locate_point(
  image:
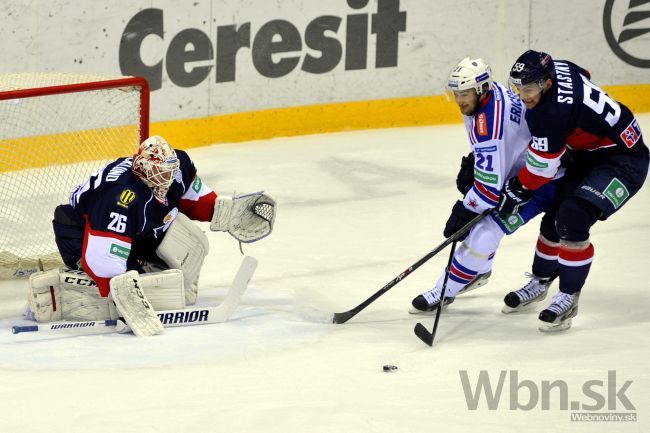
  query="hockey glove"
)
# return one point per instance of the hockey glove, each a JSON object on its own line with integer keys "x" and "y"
{"x": 459, "y": 217}
{"x": 465, "y": 176}
{"x": 513, "y": 197}
{"x": 248, "y": 218}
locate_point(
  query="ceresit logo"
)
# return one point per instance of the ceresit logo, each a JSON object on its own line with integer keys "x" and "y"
{"x": 276, "y": 48}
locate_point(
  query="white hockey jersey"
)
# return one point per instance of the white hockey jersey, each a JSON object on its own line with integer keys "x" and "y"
{"x": 499, "y": 136}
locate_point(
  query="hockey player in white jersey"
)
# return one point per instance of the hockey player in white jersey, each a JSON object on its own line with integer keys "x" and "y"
{"x": 498, "y": 137}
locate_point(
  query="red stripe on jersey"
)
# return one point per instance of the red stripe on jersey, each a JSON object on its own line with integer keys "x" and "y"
{"x": 104, "y": 234}
{"x": 472, "y": 137}
{"x": 489, "y": 194}
{"x": 201, "y": 209}
{"x": 573, "y": 255}
{"x": 497, "y": 120}
{"x": 530, "y": 180}
{"x": 583, "y": 140}
{"x": 548, "y": 250}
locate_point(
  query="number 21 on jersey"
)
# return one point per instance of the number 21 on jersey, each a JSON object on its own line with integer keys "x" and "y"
{"x": 484, "y": 162}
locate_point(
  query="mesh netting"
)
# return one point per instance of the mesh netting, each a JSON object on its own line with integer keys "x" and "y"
{"x": 48, "y": 145}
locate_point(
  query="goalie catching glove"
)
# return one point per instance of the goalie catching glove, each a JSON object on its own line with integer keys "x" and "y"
{"x": 248, "y": 218}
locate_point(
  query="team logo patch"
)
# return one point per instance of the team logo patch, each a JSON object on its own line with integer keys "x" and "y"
{"x": 631, "y": 134}
{"x": 167, "y": 220}
{"x": 196, "y": 185}
{"x": 486, "y": 177}
{"x": 126, "y": 198}
{"x": 481, "y": 125}
{"x": 530, "y": 160}
{"x": 512, "y": 222}
{"x": 120, "y": 251}
{"x": 616, "y": 192}
{"x": 170, "y": 216}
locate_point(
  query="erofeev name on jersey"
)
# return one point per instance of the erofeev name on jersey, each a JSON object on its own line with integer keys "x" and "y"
{"x": 275, "y": 47}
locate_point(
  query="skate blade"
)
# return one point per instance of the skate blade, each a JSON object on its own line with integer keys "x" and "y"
{"x": 523, "y": 309}
{"x": 471, "y": 287}
{"x": 474, "y": 285}
{"x": 417, "y": 312}
{"x": 555, "y": 327}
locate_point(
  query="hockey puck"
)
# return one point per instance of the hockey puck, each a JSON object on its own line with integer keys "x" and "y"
{"x": 389, "y": 368}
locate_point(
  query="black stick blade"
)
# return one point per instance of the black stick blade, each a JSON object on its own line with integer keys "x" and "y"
{"x": 344, "y": 316}
{"x": 423, "y": 334}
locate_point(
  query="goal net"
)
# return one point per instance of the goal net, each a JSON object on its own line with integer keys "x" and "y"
{"x": 55, "y": 131}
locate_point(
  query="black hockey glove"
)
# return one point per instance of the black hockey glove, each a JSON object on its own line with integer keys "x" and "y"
{"x": 457, "y": 220}
{"x": 513, "y": 197}
{"x": 465, "y": 176}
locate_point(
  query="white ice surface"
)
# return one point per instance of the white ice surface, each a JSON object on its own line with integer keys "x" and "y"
{"x": 355, "y": 209}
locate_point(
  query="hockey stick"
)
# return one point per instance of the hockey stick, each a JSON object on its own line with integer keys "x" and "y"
{"x": 171, "y": 318}
{"x": 420, "y": 330}
{"x": 347, "y": 315}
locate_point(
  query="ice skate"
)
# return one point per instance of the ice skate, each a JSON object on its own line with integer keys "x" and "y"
{"x": 428, "y": 302}
{"x": 558, "y": 315}
{"x": 526, "y": 297}
{"x": 478, "y": 281}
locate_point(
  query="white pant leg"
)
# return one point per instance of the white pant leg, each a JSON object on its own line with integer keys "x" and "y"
{"x": 474, "y": 256}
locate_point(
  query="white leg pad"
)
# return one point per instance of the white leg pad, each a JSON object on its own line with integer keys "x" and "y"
{"x": 44, "y": 296}
{"x": 73, "y": 297}
{"x": 185, "y": 247}
{"x": 62, "y": 294}
{"x": 165, "y": 290}
{"x": 133, "y": 305}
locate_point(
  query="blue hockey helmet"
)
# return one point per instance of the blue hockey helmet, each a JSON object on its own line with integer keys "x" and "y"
{"x": 531, "y": 67}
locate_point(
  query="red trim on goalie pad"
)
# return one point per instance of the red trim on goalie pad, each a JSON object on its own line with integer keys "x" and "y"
{"x": 547, "y": 249}
{"x": 200, "y": 210}
{"x": 53, "y": 298}
{"x": 572, "y": 255}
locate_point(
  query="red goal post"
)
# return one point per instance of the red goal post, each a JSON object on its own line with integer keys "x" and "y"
{"x": 55, "y": 131}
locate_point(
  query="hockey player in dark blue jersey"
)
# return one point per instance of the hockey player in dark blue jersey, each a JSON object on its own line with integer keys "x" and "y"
{"x": 131, "y": 218}
{"x": 573, "y": 123}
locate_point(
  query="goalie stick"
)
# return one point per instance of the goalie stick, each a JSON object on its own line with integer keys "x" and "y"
{"x": 347, "y": 315}
{"x": 171, "y": 318}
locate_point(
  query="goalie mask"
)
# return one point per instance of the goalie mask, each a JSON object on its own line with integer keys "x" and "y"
{"x": 157, "y": 165}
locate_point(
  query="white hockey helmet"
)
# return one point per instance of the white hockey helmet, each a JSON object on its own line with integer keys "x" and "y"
{"x": 470, "y": 74}
{"x": 157, "y": 165}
